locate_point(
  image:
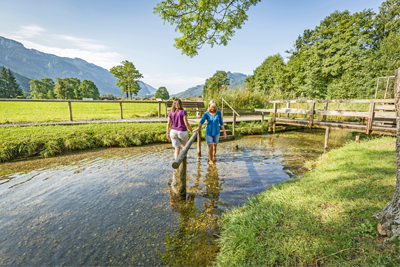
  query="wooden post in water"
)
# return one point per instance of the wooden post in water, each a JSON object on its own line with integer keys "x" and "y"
{"x": 325, "y": 109}
{"x": 233, "y": 123}
{"x": 166, "y": 109}
{"x": 120, "y": 110}
{"x": 274, "y": 118}
{"x": 70, "y": 110}
{"x": 311, "y": 115}
{"x": 326, "y": 137}
{"x": 182, "y": 177}
{"x": 198, "y": 143}
{"x": 287, "y": 106}
{"x": 159, "y": 109}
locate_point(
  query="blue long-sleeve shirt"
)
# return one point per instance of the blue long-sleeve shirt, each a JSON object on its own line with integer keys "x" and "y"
{"x": 213, "y": 122}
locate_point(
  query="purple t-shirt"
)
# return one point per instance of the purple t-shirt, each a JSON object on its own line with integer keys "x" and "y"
{"x": 177, "y": 120}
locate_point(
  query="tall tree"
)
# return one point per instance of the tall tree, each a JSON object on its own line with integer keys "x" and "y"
{"x": 215, "y": 84}
{"x": 9, "y": 88}
{"x": 89, "y": 90}
{"x": 43, "y": 89}
{"x": 200, "y": 22}
{"x": 162, "y": 93}
{"x": 388, "y": 19}
{"x": 127, "y": 77}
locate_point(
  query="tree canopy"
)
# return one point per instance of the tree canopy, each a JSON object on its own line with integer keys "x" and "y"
{"x": 162, "y": 93}
{"x": 9, "y": 88}
{"x": 200, "y": 22}
{"x": 127, "y": 78}
{"x": 215, "y": 84}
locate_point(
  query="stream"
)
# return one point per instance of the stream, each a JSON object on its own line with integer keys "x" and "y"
{"x": 118, "y": 206}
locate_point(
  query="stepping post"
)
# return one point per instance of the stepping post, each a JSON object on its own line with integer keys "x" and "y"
{"x": 182, "y": 177}
{"x": 233, "y": 123}
{"x": 274, "y": 117}
{"x": 159, "y": 109}
{"x": 326, "y": 137}
{"x": 198, "y": 143}
{"x": 70, "y": 110}
{"x": 120, "y": 110}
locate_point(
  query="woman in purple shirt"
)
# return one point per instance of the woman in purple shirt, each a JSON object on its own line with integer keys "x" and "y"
{"x": 179, "y": 134}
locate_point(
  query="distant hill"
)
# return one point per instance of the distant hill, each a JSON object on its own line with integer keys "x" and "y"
{"x": 235, "y": 79}
{"x": 33, "y": 64}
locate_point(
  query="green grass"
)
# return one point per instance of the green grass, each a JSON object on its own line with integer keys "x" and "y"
{"x": 51, "y": 111}
{"x": 325, "y": 215}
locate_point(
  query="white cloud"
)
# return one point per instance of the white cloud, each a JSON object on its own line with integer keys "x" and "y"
{"x": 35, "y": 37}
{"x": 29, "y": 31}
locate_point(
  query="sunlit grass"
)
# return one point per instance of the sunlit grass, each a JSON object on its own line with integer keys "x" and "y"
{"x": 51, "y": 111}
{"x": 325, "y": 215}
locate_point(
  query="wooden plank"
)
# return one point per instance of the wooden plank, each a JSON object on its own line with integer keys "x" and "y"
{"x": 335, "y": 101}
{"x": 264, "y": 110}
{"x": 295, "y": 110}
{"x": 385, "y": 107}
{"x": 386, "y": 115}
{"x": 346, "y": 113}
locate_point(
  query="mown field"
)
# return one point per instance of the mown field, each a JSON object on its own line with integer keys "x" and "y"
{"x": 51, "y": 111}
{"x": 324, "y": 218}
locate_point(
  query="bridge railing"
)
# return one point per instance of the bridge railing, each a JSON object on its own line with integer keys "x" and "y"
{"x": 385, "y": 111}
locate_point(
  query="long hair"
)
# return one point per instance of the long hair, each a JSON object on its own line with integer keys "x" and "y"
{"x": 211, "y": 103}
{"x": 177, "y": 105}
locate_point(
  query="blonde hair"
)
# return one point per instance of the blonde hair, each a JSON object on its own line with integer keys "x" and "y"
{"x": 212, "y": 102}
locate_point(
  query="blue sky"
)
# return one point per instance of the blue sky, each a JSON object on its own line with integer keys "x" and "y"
{"x": 107, "y": 32}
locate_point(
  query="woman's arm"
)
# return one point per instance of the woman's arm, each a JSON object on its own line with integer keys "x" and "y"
{"x": 221, "y": 123}
{"x": 203, "y": 119}
{"x": 187, "y": 123}
{"x": 168, "y": 124}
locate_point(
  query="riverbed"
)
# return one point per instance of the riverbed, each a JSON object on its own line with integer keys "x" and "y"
{"x": 118, "y": 206}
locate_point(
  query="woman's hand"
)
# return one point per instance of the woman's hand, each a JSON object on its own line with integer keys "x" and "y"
{"x": 224, "y": 134}
{"x": 168, "y": 136}
{"x": 195, "y": 130}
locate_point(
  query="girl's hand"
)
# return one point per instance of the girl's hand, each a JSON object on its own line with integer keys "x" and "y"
{"x": 195, "y": 130}
{"x": 168, "y": 136}
{"x": 224, "y": 134}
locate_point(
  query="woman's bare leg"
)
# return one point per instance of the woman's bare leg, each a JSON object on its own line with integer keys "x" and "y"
{"x": 214, "y": 151}
{"x": 210, "y": 152}
{"x": 177, "y": 150}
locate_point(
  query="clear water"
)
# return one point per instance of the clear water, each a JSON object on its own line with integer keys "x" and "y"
{"x": 118, "y": 206}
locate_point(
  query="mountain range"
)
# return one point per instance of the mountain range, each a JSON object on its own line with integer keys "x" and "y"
{"x": 235, "y": 80}
{"x": 29, "y": 64}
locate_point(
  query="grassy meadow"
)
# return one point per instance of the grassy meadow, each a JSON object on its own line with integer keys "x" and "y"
{"x": 324, "y": 218}
{"x": 52, "y": 111}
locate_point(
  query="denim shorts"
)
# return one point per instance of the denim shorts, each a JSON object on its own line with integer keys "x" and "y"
{"x": 212, "y": 139}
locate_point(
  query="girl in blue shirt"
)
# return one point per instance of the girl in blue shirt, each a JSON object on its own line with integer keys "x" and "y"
{"x": 214, "y": 120}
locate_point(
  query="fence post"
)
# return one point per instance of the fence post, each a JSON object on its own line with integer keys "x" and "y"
{"x": 222, "y": 108}
{"x": 274, "y": 118}
{"x": 233, "y": 123}
{"x": 287, "y": 106}
{"x": 325, "y": 109}
{"x": 166, "y": 110}
{"x": 370, "y": 117}
{"x": 199, "y": 143}
{"x": 182, "y": 177}
{"x": 70, "y": 110}
{"x": 262, "y": 116}
{"x": 120, "y": 109}
{"x": 312, "y": 115}
{"x": 159, "y": 109}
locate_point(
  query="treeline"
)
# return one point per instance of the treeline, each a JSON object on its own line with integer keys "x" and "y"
{"x": 9, "y": 88}
{"x": 65, "y": 88}
{"x": 341, "y": 58}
